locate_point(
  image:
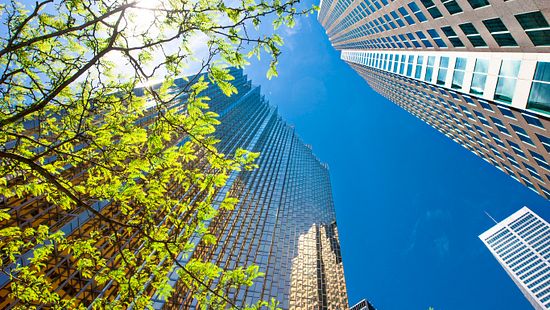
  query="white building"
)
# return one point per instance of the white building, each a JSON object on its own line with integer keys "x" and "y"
{"x": 521, "y": 244}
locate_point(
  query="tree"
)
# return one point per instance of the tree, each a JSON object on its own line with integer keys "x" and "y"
{"x": 83, "y": 131}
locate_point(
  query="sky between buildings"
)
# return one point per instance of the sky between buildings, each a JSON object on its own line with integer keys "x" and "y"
{"x": 410, "y": 202}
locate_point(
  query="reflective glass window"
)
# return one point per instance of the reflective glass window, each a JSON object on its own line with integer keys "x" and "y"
{"x": 478, "y": 3}
{"x": 458, "y": 75}
{"x": 473, "y": 35}
{"x": 536, "y": 27}
{"x": 432, "y": 9}
{"x": 452, "y": 6}
{"x": 429, "y": 69}
{"x": 539, "y": 96}
{"x": 442, "y": 73}
{"x": 499, "y": 32}
{"x": 480, "y": 77}
{"x": 507, "y": 77}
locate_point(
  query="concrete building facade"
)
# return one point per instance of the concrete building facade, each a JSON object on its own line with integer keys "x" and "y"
{"x": 476, "y": 70}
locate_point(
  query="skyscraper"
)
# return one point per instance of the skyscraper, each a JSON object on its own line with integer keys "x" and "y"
{"x": 521, "y": 245}
{"x": 284, "y": 223}
{"x": 476, "y": 70}
{"x": 363, "y": 305}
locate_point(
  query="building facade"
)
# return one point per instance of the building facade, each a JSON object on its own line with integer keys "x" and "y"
{"x": 363, "y": 305}
{"x": 476, "y": 70}
{"x": 521, "y": 245}
{"x": 284, "y": 223}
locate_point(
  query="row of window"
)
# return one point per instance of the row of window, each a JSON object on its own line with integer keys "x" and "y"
{"x": 534, "y": 23}
{"x": 539, "y": 96}
{"x": 434, "y": 113}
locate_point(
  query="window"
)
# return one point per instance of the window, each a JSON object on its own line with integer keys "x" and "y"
{"x": 406, "y": 16}
{"x": 390, "y": 22}
{"x": 419, "y": 62}
{"x": 442, "y": 74}
{"x": 397, "y": 19}
{"x": 539, "y": 96}
{"x": 458, "y": 75}
{"x": 480, "y": 77}
{"x": 413, "y": 40}
{"x": 437, "y": 39}
{"x": 429, "y": 69}
{"x": 417, "y": 12}
{"x": 507, "y": 78}
{"x": 410, "y": 65}
{"x": 478, "y": 3}
{"x": 424, "y": 39}
{"x": 452, "y": 6}
{"x": 536, "y": 27}
{"x": 471, "y": 33}
{"x": 432, "y": 9}
{"x": 402, "y": 65}
{"x": 452, "y": 36}
{"x": 499, "y": 32}
{"x": 404, "y": 40}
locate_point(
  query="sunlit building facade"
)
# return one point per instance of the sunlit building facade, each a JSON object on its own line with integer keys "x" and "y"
{"x": 284, "y": 223}
{"x": 476, "y": 70}
{"x": 521, "y": 245}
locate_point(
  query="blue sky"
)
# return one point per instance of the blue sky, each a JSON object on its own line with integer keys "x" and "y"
{"x": 410, "y": 202}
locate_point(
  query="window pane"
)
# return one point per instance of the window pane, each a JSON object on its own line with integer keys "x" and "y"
{"x": 441, "y": 76}
{"x": 482, "y": 66}
{"x": 505, "y": 89}
{"x": 539, "y": 37}
{"x": 444, "y": 62}
{"x": 494, "y": 25}
{"x": 478, "y": 3}
{"x": 458, "y": 78}
{"x": 543, "y": 72}
{"x": 539, "y": 97}
{"x": 460, "y": 63}
{"x": 478, "y": 84}
{"x": 477, "y": 41}
{"x": 505, "y": 39}
{"x": 510, "y": 68}
{"x": 452, "y": 7}
{"x": 468, "y": 29}
{"x": 429, "y": 73}
{"x": 434, "y": 12}
{"x": 456, "y": 42}
{"x": 532, "y": 20}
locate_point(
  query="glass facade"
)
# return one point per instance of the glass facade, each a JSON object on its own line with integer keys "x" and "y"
{"x": 284, "y": 223}
{"x": 539, "y": 96}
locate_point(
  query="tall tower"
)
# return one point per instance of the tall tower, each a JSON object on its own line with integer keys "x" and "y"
{"x": 476, "y": 70}
{"x": 363, "y": 305}
{"x": 521, "y": 245}
{"x": 284, "y": 223}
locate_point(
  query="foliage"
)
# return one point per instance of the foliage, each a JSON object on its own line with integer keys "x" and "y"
{"x": 76, "y": 138}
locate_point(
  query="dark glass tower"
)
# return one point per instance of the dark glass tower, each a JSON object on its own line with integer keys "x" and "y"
{"x": 285, "y": 221}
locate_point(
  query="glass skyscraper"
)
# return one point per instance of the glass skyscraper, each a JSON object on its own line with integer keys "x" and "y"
{"x": 521, "y": 245}
{"x": 285, "y": 221}
{"x": 477, "y": 70}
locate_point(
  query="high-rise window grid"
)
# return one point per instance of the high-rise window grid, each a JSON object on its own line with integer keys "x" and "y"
{"x": 484, "y": 115}
{"x": 513, "y": 242}
{"x": 500, "y": 33}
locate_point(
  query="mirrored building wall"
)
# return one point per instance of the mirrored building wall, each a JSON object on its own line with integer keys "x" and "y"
{"x": 285, "y": 222}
